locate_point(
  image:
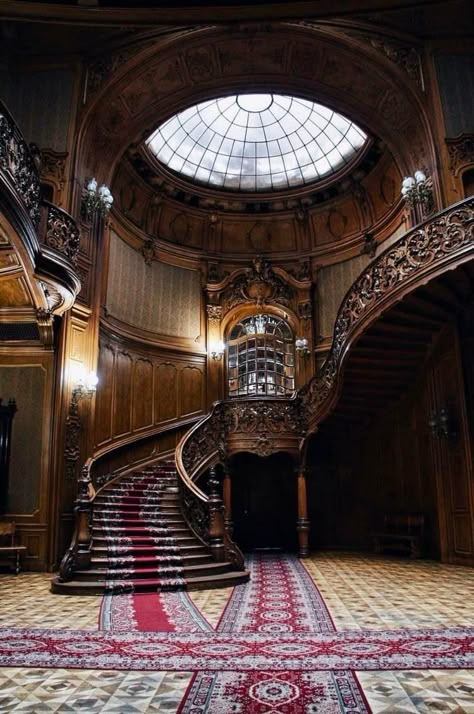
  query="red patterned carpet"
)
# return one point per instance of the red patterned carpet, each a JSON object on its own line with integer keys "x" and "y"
{"x": 275, "y": 649}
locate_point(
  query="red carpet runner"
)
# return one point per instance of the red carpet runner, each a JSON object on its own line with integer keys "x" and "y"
{"x": 280, "y": 600}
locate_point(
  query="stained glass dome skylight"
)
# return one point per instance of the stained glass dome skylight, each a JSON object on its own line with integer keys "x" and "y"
{"x": 257, "y": 142}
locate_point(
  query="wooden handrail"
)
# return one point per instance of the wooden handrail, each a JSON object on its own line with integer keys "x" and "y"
{"x": 442, "y": 242}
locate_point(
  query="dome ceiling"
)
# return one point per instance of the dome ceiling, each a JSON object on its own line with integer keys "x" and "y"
{"x": 257, "y": 142}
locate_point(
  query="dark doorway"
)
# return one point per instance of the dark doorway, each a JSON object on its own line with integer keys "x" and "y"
{"x": 264, "y": 502}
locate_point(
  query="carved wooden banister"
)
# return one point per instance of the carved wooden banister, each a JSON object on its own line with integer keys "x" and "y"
{"x": 17, "y": 164}
{"x": 443, "y": 241}
{"x": 258, "y": 425}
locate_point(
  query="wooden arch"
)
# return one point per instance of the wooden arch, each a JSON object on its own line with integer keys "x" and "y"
{"x": 335, "y": 65}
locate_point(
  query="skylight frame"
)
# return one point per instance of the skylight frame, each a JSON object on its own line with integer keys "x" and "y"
{"x": 248, "y": 166}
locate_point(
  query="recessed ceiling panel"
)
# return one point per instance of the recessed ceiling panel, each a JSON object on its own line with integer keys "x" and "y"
{"x": 257, "y": 142}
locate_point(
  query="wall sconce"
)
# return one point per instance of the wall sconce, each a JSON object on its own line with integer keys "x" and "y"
{"x": 301, "y": 346}
{"x": 417, "y": 190}
{"x": 96, "y": 200}
{"x": 442, "y": 425}
{"x": 217, "y": 349}
{"x": 84, "y": 383}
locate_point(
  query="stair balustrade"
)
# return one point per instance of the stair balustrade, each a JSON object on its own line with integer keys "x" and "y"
{"x": 443, "y": 242}
{"x": 267, "y": 425}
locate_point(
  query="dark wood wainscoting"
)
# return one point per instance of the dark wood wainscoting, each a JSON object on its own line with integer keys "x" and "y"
{"x": 140, "y": 389}
{"x": 394, "y": 462}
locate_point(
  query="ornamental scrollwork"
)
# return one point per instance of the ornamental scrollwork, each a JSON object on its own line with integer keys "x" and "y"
{"x": 461, "y": 152}
{"x": 259, "y": 285}
{"x": 17, "y": 162}
{"x": 62, "y": 232}
{"x": 433, "y": 242}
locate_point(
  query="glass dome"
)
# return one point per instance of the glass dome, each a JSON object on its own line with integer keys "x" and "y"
{"x": 257, "y": 142}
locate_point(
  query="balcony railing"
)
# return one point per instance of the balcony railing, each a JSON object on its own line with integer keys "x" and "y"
{"x": 58, "y": 230}
{"x": 17, "y": 164}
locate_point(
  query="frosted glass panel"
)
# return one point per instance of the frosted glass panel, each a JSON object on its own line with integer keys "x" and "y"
{"x": 297, "y": 134}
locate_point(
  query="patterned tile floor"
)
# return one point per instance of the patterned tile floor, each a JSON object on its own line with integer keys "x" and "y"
{"x": 361, "y": 592}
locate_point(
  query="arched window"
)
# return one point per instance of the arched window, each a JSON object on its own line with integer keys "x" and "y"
{"x": 261, "y": 357}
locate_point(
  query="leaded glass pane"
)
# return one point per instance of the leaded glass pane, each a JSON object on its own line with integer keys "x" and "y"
{"x": 303, "y": 140}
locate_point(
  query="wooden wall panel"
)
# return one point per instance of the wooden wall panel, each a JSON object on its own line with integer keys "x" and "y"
{"x": 104, "y": 398}
{"x": 191, "y": 391}
{"x": 166, "y": 392}
{"x": 395, "y": 464}
{"x": 142, "y": 388}
{"x": 123, "y": 394}
{"x": 142, "y": 416}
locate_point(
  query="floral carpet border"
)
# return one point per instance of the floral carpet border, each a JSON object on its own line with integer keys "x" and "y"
{"x": 450, "y": 648}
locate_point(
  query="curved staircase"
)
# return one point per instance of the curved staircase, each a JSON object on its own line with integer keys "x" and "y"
{"x": 141, "y": 541}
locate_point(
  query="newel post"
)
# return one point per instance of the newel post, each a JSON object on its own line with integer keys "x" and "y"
{"x": 303, "y": 523}
{"x": 216, "y": 517}
{"x": 83, "y": 514}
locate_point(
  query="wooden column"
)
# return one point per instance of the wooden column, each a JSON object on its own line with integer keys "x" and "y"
{"x": 227, "y": 498}
{"x": 302, "y": 524}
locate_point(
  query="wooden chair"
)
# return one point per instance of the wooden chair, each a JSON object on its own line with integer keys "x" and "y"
{"x": 8, "y": 549}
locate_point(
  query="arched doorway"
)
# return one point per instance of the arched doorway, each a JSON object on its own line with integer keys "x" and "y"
{"x": 261, "y": 357}
{"x": 264, "y": 502}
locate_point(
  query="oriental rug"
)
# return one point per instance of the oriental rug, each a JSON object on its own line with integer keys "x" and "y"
{"x": 151, "y": 612}
{"x": 451, "y": 648}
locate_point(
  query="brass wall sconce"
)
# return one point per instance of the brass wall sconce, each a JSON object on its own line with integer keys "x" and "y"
{"x": 96, "y": 200}
{"x": 217, "y": 350}
{"x": 301, "y": 346}
{"x": 443, "y": 425}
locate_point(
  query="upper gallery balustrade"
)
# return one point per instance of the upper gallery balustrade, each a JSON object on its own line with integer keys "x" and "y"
{"x": 54, "y": 227}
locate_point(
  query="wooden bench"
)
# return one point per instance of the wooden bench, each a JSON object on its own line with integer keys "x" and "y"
{"x": 402, "y": 532}
{"x": 8, "y": 549}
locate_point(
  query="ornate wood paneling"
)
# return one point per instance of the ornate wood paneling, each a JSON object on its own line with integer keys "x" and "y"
{"x": 140, "y": 389}
{"x": 166, "y": 392}
{"x": 142, "y": 411}
{"x": 28, "y": 379}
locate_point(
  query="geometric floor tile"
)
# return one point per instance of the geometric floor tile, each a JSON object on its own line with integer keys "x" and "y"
{"x": 419, "y": 691}
{"x": 62, "y": 690}
{"x": 361, "y": 591}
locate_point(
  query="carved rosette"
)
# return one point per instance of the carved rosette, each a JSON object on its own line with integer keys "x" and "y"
{"x": 62, "y": 233}
{"x": 461, "y": 152}
{"x": 437, "y": 240}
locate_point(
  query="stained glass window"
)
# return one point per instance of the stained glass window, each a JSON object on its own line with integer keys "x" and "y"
{"x": 257, "y": 142}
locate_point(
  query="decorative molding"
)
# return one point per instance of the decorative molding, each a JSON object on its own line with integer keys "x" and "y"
{"x": 72, "y": 436}
{"x": 370, "y": 245}
{"x": 214, "y": 313}
{"x": 53, "y": 167}
{"x": 62, "y": 232}
{"x": 305, "y": 310}
{"x": 436, "y": 242}
{"x": 148, "y": 251}
{"x": 259, "y": 285}
{"x": 460, "y": 151}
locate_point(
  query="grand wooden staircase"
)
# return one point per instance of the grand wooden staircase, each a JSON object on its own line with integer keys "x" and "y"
{"x": 141, "y": 541}
{"x": 384, "y": 324}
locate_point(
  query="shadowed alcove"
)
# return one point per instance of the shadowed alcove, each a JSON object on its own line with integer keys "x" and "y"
{"x": 264, "y": 501}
